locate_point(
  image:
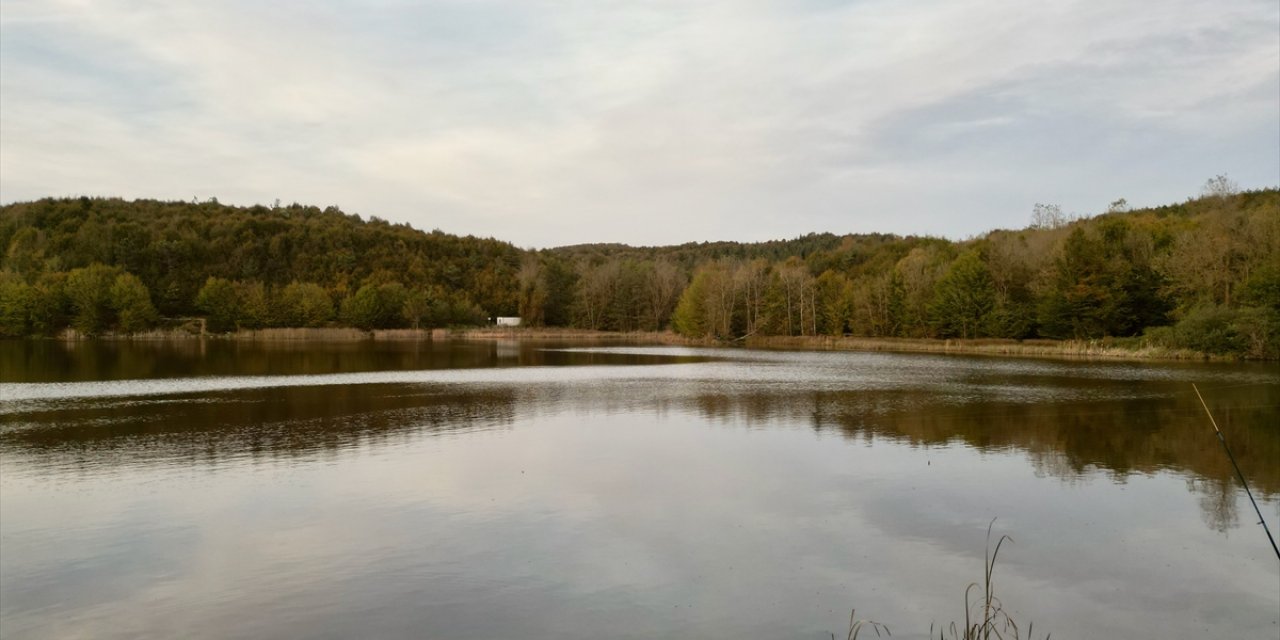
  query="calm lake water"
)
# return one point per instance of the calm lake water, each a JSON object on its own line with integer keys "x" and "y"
{"x": 522, "y": 490}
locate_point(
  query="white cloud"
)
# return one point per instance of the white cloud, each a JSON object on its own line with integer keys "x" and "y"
{"x": 560, "y": 123}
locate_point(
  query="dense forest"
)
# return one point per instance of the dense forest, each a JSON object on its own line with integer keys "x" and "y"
{"x": 1202, "y": 275}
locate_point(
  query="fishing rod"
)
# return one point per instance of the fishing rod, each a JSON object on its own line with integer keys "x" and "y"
{"x": 1261, "y": 520}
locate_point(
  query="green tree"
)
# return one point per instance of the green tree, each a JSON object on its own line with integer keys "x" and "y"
{"x": 457, "y": 309}
{"x": 1014, "y": 262}
{"x": 253, "y": 305}
{"x": 417, "y": 309}
{"x": 303, "y": 304}
{"x": 220, "y": 302}
{"x": 626, "y": 308}
{"x": 1263, "y": 287}
{"x": 562, "y": 281}
{"x": 132, "y": 304}
{"x": 1075, "y": 305}
{"x": 376, "y": 306}
{"x": 964, "y": 298}
{"x": 706, "y": 309}
{"x": 915, "y": 277}
{"x": 690, "y": 316}
{"x": 26, "y": 253}
{"x": 89, "y": 291}
{"x": 50, "y": 308}
{"x": 16, "y": 298}
{"x": 531, "y": 292}
{"x": 1103, "y": 284}
{"x": 835, "y": 303}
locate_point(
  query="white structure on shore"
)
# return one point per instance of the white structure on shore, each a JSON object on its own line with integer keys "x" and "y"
{"x": 507, "y": 321}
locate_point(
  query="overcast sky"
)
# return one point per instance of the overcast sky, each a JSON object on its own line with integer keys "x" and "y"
{"x": 550, "y": 123}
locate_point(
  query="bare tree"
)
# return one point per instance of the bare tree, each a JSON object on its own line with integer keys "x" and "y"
{"x": 595, "y": 291}
{"x": 751, "y": 279}
{"x": 663, "y": 284}
{"x": 1211, "y": 261}
{"x": 1047, "y": 216}
{"x": 1220, "y": 186}
{"x": 797, "y": 286}
{"x": 872, "y": 306}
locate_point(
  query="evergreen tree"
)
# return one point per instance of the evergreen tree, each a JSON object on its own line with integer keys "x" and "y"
{"x": 964, "y": 299}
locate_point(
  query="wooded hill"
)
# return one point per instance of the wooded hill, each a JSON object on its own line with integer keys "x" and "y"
{"x": 1203, "y": 274}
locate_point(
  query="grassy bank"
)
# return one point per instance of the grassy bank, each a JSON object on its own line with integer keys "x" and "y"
{"x": 1115, "y": 349}
{"x": 1099, "y": 349}
{"x": 1110, "y": 348}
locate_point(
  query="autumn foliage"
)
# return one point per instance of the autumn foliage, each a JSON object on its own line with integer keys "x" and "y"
{"x": 1202, "y": 275}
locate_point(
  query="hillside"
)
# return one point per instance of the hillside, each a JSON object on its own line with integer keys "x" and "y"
{"x": 1203, "y": 274}
{"x": 174, "y": 248}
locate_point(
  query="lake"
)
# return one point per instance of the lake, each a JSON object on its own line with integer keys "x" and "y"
{"x": 221, "y": 489}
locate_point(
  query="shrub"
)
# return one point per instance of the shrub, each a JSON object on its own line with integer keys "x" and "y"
{"x": 1248, "y": 332}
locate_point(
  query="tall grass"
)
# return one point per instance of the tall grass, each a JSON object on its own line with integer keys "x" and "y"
{"x": 985, "y": 617}
{"x": 856, "y": 626}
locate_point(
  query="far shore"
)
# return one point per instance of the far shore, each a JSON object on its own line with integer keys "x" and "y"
{"x": 1103, "y": 349}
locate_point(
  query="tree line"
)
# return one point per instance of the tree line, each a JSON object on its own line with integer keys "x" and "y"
{"x": 1203, "y": 274}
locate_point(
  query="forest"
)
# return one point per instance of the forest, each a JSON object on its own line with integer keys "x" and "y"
{"x": 1202, "y": 275}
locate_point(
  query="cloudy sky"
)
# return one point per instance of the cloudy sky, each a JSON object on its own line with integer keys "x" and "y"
{"x": 549, "y": 123}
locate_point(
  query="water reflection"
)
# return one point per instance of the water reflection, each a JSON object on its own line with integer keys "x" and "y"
{"x": 1067, "y": 427}
{"x": 58, "y": 361}
{"x": 258, "y": 424}
{"x": 1118, "y": 438}
{"x": 648, "y": 492}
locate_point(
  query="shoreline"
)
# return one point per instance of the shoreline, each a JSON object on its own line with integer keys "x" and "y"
{"x": 1100, "y": 349}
